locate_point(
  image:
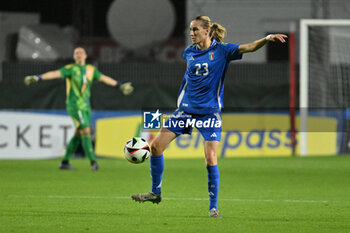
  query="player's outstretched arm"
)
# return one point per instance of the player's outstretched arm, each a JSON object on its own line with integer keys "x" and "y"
{"x": 46, "y": 76}
{"x": 125, "y": 88}
{"x": 255, "y": 45}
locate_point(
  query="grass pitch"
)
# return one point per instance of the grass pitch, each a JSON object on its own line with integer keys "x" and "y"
{"x": 256, "y": 195}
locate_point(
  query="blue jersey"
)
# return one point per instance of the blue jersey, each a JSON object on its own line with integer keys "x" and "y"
{"x": 202, "y": 87}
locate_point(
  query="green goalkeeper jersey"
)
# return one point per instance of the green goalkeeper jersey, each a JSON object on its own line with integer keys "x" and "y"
{"x": 79, "y": 80}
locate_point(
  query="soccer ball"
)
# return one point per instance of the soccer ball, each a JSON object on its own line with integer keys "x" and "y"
{"x": 136, "y": 150}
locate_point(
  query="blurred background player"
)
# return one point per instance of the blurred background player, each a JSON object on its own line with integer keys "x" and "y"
{"x": 79, "y": 77}
{"x": 201, "y": 98}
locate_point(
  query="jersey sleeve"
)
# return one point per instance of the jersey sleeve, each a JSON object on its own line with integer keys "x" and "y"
{"x": 232, "y": 52}
{"x": 184, "y": 54}
{"x": 65, "y": 71}
{"x": 187, "y": 52}
{"x": 97, "y": 74}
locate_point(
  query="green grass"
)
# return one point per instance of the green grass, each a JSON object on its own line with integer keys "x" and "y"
{"x": 256, "y": 195}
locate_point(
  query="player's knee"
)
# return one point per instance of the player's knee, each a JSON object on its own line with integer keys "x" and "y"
{"x": 156, "y": 148}
{"x": 211, "y": 159}
{"x": 85, "y": 131}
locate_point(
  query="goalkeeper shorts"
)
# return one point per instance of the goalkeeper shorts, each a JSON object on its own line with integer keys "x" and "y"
{"x": 81, "y": 118}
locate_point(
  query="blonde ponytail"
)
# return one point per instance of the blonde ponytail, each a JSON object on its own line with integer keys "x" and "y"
{"x": 217, "y": 32}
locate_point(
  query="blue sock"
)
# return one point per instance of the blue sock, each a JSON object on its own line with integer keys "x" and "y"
{"x": 213, "y": 185}
{"x": 157, "y": 167}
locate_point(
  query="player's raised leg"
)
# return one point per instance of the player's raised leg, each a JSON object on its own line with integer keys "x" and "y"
{"x": 159, "y": 144}
{"x": 211, "y": 148}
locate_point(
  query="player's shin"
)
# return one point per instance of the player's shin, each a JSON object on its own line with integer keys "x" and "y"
{"x": 213, "y": 185}
{"x": 157, "y": 167}
{"x": 71, "y": 147}
{"x": 87, "y": 146}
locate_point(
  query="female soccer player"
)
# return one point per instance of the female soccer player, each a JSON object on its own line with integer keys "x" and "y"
{"x": 79, "y": 77}
{"x": 201, "y": 99}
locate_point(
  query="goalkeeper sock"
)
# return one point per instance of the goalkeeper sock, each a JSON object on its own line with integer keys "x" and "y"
{"x": 157, "y": 167}
{"x": 87, "y": 146}
{"x": 71, "y": 147}
{"x": 213, "y": 185}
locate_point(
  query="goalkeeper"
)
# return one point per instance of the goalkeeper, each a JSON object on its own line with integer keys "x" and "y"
{"x": 79, "y": 77}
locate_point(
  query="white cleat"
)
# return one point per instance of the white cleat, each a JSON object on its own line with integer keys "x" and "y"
{"x": 214, "y": 213}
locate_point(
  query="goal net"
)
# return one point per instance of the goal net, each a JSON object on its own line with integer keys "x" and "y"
{"x": 324, "y": 70}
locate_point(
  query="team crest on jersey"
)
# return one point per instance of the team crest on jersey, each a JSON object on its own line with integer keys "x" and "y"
{"x": 211, "y": 56}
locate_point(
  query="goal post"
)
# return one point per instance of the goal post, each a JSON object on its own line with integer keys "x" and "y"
{"x": 324, "y": 79}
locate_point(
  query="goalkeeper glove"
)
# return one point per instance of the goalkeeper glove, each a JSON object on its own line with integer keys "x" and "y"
{"x": 32, "y": 79}
{"x": 126, "y": 88}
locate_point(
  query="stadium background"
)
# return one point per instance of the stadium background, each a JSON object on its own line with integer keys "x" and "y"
{"x": 256, "y": 90}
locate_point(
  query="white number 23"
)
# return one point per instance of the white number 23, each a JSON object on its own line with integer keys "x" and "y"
{"x": 199, "y": 67}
